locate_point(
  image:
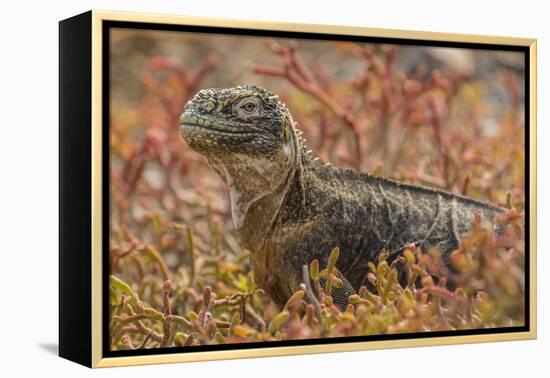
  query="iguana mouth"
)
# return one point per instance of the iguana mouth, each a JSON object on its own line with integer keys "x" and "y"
{"x": 191, "y": 123}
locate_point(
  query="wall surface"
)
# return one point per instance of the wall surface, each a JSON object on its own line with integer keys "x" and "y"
{"x": 29, "y": 189}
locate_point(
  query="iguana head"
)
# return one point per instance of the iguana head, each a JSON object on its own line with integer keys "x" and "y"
{"x": 244, "y": 120}
{"x": 249, "y": 138}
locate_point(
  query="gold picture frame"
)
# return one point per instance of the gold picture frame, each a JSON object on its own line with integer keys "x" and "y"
{"x": 83, "y": 183}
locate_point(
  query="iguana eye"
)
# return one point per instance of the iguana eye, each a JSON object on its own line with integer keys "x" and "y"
{"x": 248, "y": 107}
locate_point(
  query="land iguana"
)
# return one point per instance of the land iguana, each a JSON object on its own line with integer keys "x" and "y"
{"x": 289, "y": 208}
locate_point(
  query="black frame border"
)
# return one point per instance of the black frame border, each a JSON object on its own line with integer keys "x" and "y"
{"x": 75, "y": 183}
{"x": 108, "y": 25}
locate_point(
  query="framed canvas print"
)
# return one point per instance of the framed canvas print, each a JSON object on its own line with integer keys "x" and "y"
{"x": 235, "y": 189}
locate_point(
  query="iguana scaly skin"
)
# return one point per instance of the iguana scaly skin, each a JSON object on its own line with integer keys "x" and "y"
{"x": 288, "y": 208}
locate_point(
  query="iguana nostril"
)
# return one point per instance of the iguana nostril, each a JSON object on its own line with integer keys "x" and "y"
{"x": 209, "y": 106}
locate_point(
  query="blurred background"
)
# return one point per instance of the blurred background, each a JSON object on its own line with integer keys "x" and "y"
{"x": 449, "y": 118}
